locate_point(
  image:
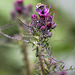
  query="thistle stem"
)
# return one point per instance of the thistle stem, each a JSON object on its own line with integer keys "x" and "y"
{"x": 40, "y": 61}
{"x": 26, "y": 59}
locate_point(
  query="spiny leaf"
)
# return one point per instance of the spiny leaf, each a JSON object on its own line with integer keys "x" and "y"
{"x": 70, "y": 68}
{"x": 54, "y": 68}
{"x": 35, "y": 32}
{"x": 35, "y": 38}
{"x": 37, "y": 51}
{"x": 63, "y": 67}
{"x": 60, "y": 67}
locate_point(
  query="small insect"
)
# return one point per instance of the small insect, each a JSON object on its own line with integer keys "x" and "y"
{"x": 40, "y": 6}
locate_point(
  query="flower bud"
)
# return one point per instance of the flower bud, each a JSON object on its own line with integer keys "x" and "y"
{"x": 50, "y": 34}
{"x": 49, "y": 25}
{"x": 30, "y": 6}
{"x": 18, "y": 9}
{"x": 13, "y": 15}
{"x": 15, "y": 3}
{"x": 54, "y": 25}
{"x": 50, "y": 17}
{"x": 39, "y": 24}
{"x": 34, "y": 16}
{"x": 43, "y": 27}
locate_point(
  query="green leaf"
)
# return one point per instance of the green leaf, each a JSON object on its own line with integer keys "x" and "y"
{"x": 63, "y": 67}
{"x": 35, "y": 33}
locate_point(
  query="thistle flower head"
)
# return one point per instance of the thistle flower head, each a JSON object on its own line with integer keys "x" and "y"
{"x": 20, "y": 9}
{"x": 44, "y": 24}
{"x": 18, "y": 4}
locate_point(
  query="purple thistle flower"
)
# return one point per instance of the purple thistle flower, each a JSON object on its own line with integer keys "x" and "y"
{"x": 20, "y": 9}
{"x": 42, "y": 10}
{"x": 44, "y": 24}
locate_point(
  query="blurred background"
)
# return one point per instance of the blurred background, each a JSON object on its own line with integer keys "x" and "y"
{"x": 62, "y": 41}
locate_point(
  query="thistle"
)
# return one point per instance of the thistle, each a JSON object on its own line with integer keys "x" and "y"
{"x": 41, "y": 27}
{"x": 20, "y": 9}
{"x": 44, "y": 24}
{"x": 40, "y": 30}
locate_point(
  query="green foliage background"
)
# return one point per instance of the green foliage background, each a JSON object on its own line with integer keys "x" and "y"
{"x": 62, "y": 41}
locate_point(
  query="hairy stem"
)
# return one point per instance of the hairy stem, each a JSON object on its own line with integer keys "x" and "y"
{"x": 40, "y": 61}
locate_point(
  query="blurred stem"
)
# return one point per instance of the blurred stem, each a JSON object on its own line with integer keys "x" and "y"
{"x": 24, "y": 48}
{"x": 40, "y": 60}
{"x": 26, "y": 59}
